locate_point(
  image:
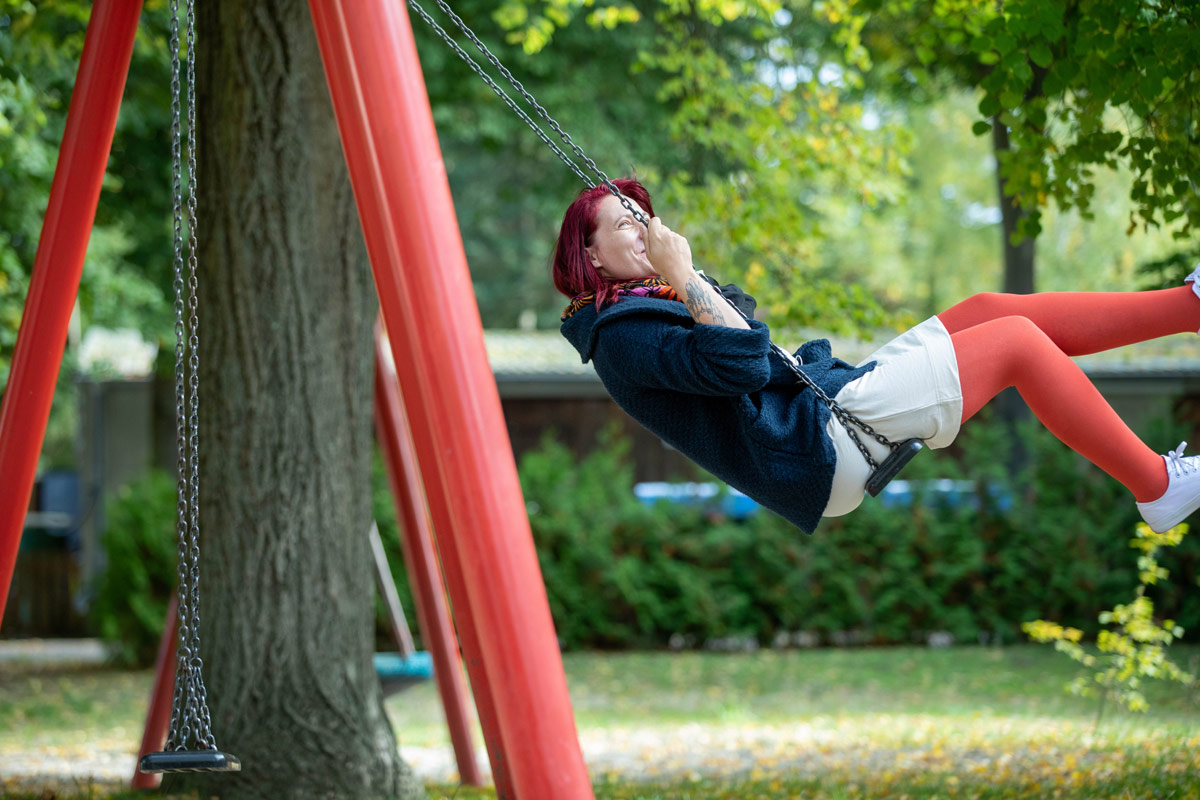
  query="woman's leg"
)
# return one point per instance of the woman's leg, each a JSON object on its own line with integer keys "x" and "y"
{"x": 1015, "y": 351}
{"x": 1086, "y": 322}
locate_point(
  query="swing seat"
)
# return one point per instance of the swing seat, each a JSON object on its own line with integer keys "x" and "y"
{"x": 888, "y": 468}
{"x": 397, "y": 672}
{"x": 189, "y": 761}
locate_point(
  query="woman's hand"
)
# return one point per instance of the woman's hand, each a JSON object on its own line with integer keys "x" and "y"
{"x": 669, "y": 253}
{"x": 671, "y": 256}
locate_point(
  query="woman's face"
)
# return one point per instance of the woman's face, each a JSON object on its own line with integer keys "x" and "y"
{"x": 618, "y": 249}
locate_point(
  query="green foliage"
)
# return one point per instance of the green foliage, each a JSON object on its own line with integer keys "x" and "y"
{"x": 1136, "y": 648}
{"x": 1162, "y": 273}
{"x": 133, "y": 591}
{"x": 1077, "y": 86}
{"x": 717, "y": 106}
{"x": 620, "y": 574}
{"x": 128, "y": 258}
{"x": 938, "y": 244}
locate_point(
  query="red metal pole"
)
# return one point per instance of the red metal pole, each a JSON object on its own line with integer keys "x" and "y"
{"x": 439, "y": 505}
{"x": 158, "y": 716}
{"x": 443, "y": 520}
{"x": 91, "y": 119}
{"x": 426, "y": 296}
{"x": 420, "y": 558}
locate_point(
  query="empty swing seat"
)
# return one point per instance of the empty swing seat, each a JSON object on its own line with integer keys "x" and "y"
{"x": 397, "y": 672}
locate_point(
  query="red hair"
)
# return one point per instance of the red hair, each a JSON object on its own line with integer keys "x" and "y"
{"x": 573, "y": 270}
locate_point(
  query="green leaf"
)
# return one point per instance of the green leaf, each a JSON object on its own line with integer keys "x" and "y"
{"x": 989, "y": 106}
{"x": 981, "y": 44}
{"x": 981, "y": 127}
{"x": 1040, "y": 54}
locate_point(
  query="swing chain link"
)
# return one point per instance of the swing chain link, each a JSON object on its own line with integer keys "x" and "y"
{"x": 844, "y": 417}
{"x": 174, "y": 736}
{"x": 201, "y": 716}
{"x": 190, "y": 721}
{"x": 529, "y": 98}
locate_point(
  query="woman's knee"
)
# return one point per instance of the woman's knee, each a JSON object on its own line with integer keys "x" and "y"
{"x": 978, "y": 309}
{"x": 991, "y": 305}
{"x": 1009, "y": 345}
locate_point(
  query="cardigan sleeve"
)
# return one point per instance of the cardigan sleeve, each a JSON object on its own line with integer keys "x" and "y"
{"x": 700, "y": 359}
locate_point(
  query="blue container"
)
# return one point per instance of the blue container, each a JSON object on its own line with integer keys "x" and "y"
{"x": 397, "y": 673}
{"x": 58, "y": 495}
{"x": 708, "y": 494}
{"x": 941, "y": 493}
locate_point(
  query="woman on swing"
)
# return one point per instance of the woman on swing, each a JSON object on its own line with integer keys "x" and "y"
{"x": 678, "y": 358}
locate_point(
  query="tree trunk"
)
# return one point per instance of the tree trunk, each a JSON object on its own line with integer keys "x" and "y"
{"x": 1018, "y": 279}
{"x": 287, "y": 307}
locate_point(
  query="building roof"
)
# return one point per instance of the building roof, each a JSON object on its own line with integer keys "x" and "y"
{"x": 543, "y": 363}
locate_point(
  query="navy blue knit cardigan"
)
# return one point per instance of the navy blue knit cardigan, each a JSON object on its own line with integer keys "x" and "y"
{"x": 721, "y": 397}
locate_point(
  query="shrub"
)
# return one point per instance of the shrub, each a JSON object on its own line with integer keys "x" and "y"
{"x": 621, "y": 574}
{"x": 129, "y": 603}
{"x": 1137, "y": 649}
{"x": 133, "y": 591}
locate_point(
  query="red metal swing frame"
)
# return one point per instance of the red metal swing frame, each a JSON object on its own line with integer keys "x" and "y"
{"x": 449, "y": 404}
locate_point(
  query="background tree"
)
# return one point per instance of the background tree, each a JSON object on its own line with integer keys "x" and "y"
{"x": 938, "y": 241}
{"x": 727, "y": 110}
{"x": 128, "y": 258}
{"x": 1066, "y": 87}
{"x": 287, "y": 309}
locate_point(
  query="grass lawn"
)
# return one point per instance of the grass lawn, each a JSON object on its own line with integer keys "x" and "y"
{"x": 855, "y": 723}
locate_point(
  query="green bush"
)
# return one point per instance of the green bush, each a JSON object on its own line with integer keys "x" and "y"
{"x": 131, "y": 595}
{"x": 621, "y": 574}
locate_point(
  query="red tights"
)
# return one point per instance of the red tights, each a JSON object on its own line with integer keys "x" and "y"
{"x": 1026, "y": 341}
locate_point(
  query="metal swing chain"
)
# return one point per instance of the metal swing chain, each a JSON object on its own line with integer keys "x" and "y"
{"x": 478, "y": 70}
{"x": 200, "y": 700}
{"x": 844, "y": 417}
{"x": 181, "y": 466}
{"x": 529, "y": 98}
{"x": 189, "y": 711}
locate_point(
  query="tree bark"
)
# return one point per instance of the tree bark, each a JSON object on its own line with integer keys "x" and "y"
{"x": 286, "y": 313}
{"x": 1018, "y": 259}
{"x": 1018, "y": 279}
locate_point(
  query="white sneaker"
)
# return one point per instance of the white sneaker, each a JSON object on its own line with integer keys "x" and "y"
{"x": 1194, "y": 280}
{"x": 1182, "y": 496}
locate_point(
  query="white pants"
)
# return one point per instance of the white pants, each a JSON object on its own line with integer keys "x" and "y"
{"x": 913, "y": 392}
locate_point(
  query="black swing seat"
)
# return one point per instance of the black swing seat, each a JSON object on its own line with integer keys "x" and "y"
{"x": 888, "y": 468}
{"x": 189, "y": 761}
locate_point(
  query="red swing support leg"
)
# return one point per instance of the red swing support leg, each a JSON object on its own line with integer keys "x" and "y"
{"x": 443, "y": 521}
{"x": 158, "y": 716}
{"x": 91, "y": 120}
{"x": 420, "y": 558}
{"x": 427, "y": 300}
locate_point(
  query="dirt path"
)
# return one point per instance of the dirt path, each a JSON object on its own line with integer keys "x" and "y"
{"x": 688, "y": 751}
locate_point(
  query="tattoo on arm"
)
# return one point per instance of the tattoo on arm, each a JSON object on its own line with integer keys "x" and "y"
{"x": 703, "y": 306}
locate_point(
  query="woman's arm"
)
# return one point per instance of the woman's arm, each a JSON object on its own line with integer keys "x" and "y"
{"x": 671, "y": 256}
{"x": 666, "y": 353}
